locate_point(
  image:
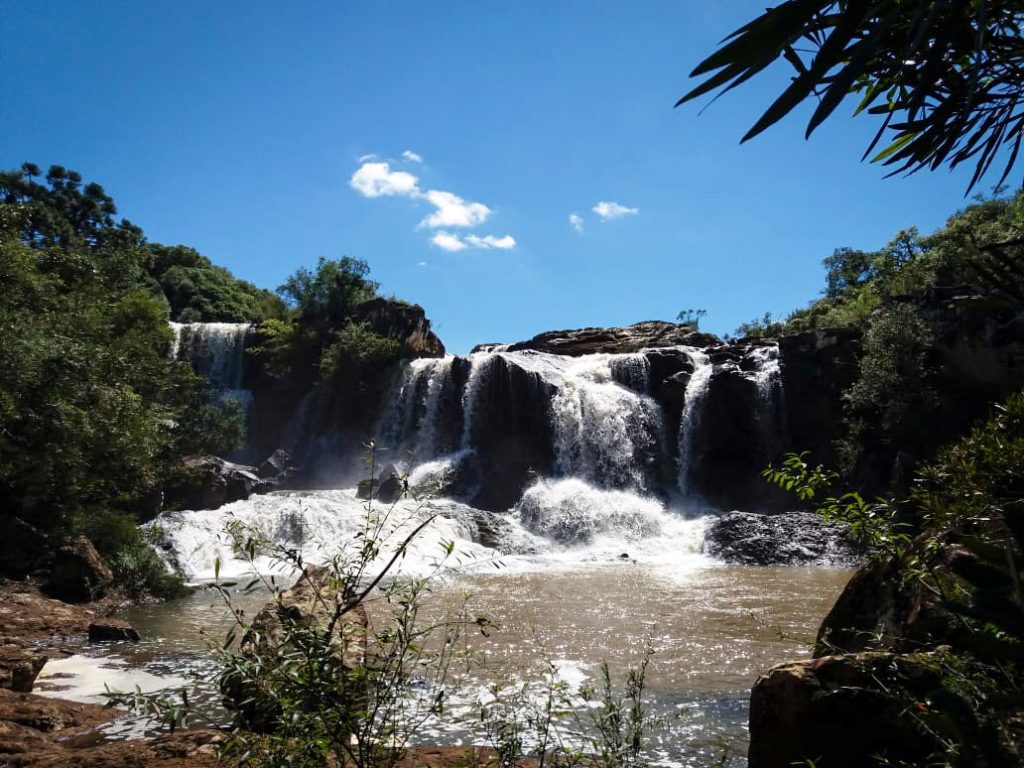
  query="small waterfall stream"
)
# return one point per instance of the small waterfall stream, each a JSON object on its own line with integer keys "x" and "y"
{"x": 696, "y": 390}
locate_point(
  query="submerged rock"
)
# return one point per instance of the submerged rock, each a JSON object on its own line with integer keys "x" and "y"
{"x": 794, "y": 538}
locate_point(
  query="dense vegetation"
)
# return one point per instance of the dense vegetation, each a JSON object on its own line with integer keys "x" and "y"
{"x": 912, "y": 301}
{"x": 95, "y": 418}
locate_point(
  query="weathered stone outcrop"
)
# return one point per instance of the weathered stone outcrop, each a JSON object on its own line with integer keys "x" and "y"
{"x": 631, "y": 338}
{"x": 406, "y": 322}
{"x": 209, "y": 482}
{"x": 40, "y": 732}
{"x": 795, "y": 538}
{"x": 842, "y": 711}
{"x": 28, "y": 617}
{"x": 880, "y": 608}
{"x": 312, "y": 601}
{"x": 78, "y": 573}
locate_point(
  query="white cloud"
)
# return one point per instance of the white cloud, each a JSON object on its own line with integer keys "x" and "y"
{"x": 412, "y": 157}
{"x": 421, "y": 263}
{"x": 608, "y": 210}
{"x": 453, "y": 211}
{"x": 505, "y": 243}
{"x": 378, "y": 180}
{"x": 367, "y": 158}
{"x": 576, "y": 222}
{"x": 446, "y": 241}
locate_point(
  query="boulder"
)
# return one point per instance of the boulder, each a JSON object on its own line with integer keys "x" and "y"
{"x": 406, "y": 322}
{"x": 794, "y": 538}
{"x": 276, "y": 464}
{"x": 843, "y": 711}
{"x": 24, "y": 547}
{"x": 107, "y": 630}
{"x": 19, "y": 667}
{"x": 210, "y": 482}
{"x": 631, "y": 338}
{"x": 881, "y": 608}
{"x": 386, "y": 488}
{"x": 78, "y": 572}
{"x": 311, "y": 601}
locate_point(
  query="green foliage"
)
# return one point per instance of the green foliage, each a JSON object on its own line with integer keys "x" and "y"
{"x": 198, "y": 291}
{"x": 946, "y": 78}
{"x": 211, "y": 428}
{"x": 691, "y": 317}
{"x": 326, "y": 296}
{"x": 760, "y": 328}
{"x": 357, "y": 348}
{"x": 873, "y": 525}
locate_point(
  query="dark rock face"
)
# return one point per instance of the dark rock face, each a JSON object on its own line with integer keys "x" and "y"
{"x": 210, "y": 482}
{"x": 879, "y": 608}
{"x": 112, "y": 630}
{"x": 795, "y": 538}
{"x": 407, "y": 322}
{"x": 631, "y": 338}
{"x": 78, "y": 573}
{"x": 275, "y": 465}
{"x": 511, "y": 434}
{"x": 23, "y": 548}
{"x": 834, "y": 711}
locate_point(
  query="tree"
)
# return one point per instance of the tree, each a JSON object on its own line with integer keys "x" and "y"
{"x": 947, "y": 78}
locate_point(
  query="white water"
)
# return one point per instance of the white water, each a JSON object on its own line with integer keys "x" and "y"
{"x": 215, "y": 350}
{"x": 606, "y": 433}
{"x": 696, "y": 389}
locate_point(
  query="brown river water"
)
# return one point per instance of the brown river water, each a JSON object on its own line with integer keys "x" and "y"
{"x": 713, "y": 629}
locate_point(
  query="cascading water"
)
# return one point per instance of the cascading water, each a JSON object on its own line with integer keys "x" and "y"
{"x": 215, "y": 351}
{"x": 696, "y": 389}
{"x": 606, "y": 433}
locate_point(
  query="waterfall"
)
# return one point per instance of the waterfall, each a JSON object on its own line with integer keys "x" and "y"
{"x": 412, "y": 420}
{"x": 479, "y": 370}
{"x": 696, "y": 389}
{"x": 605, "y": 432}
{"x": 215, "y": 350}
{"x": 767, "y": 374}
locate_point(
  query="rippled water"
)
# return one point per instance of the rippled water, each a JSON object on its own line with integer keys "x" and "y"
{"x": 713, "y": 628}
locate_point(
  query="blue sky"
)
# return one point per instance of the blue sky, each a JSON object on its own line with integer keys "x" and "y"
{"x": 241, "y": 128}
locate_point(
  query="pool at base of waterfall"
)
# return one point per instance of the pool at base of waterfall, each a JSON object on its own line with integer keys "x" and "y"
{"x": 571, "y": 578}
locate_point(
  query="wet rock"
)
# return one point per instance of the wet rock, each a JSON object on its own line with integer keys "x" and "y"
{"x": 48, "y": 715}
{"x": 631, "y": 338}
{"x": 386, "y": 488}
{"x": 275, "y": 465}
{"x": 842, "y": 711}
{"x": 24, "y": 547}
{"x": 209, "y": 482}
{"x": 78, "y": 572}
{"x": 310, "y": 602}
{"x": 110, "y": 630}
{"x": 19, "y": 667}
{"x": 795, "y": 538}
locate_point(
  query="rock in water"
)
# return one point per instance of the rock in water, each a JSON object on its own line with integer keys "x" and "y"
{"x": 278, "y": 463}
{"x": 78, "y": 573}
{"x": 209, "y": 482}
{"x": 107, "y": 630}
{"x": 311, "y": 602}
{"x": 794, "y": 538}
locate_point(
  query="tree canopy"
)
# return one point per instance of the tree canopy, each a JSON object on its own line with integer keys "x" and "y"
{"x": 946, "y": 77}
